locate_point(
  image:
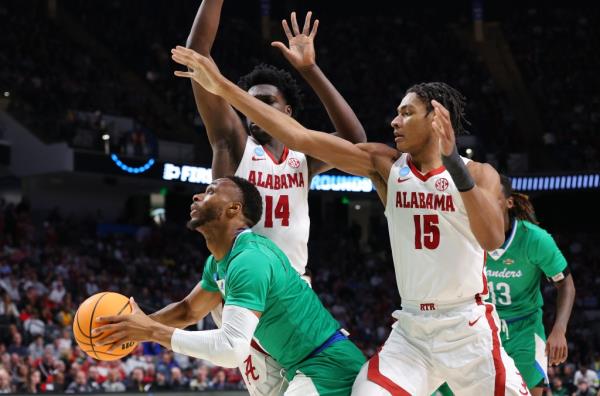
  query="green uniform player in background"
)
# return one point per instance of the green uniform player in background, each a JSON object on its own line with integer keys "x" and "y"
{"x": 264, "y": 298}
{"x": 514, "y": 272}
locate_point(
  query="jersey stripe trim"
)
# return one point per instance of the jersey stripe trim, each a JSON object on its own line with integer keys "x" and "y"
{"x": 426, "y": 176}
{"x": 483, "y": 276}
{"x": 284, "y": 155}
{"x": 374, "y": 375}
{"x": 500, "y": 382}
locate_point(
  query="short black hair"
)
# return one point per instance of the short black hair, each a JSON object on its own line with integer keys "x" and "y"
{"x": 449, "y": 97}
{"x": 506, "y": 185}
{"x": 269, "y": 74}
{"x": 252, "y": 205}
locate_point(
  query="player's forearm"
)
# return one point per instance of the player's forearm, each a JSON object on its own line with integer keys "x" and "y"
{"x": 175, "y": 315}
{"x": 564, "y": 303}
{"x": 227, "y": 346}
{"x": 205, "y": 26}
{"x": 340, "y": 113}
{"x": 485, "y": 218}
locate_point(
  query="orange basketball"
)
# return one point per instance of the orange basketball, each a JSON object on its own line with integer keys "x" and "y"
{"x": 101, "y": 304}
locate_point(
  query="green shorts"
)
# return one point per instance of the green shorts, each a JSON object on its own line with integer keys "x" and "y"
{"x": 524, "y": 340}
{"x": 332, "y": 372}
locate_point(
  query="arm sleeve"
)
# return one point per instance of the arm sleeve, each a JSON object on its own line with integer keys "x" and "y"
{"x": 248, "y": 280}
{"x": 227, "y": 346}
{"x": 208, "y": 282}
{"x": 544, "y": 253}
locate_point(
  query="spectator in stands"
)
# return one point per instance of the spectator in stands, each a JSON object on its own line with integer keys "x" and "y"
{"x": 36, "y": 348}
{"x": 558, "y": 389}
{"x": 16, "y": 347}
{"x": 200, "y": 381}
{"x": 80, "y": 385}
{"x": 586, "y": 373}
{"x": 220, "y": 382}
{"x": 34, "y": 382}
{"x": 178, "y": 382}
{"x": 584, "y": 388}
{"x": 160, "y": 383}
{"x": 136, "y": 381}
{"x": 5, "y": 385}
{"x": 113, "y": 382}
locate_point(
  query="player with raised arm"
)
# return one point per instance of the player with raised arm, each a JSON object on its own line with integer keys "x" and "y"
{"x": 281, "y": 175}
{"x": 264, "y": 297}
{"x": 443, "y": 214}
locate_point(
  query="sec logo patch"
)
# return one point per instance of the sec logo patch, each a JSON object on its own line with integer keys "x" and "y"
{"x": 294, "y": 162}
{"x": 441, "y": 184}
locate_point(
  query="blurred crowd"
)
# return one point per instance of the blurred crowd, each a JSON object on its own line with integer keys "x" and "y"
{"x": 381, "y": 56}
{"x": 48, "y": 267}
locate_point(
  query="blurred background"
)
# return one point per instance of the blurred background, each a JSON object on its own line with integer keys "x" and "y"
{"x": 101, "y": 149}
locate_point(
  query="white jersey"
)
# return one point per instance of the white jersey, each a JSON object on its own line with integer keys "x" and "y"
{"x": 283, "y": 186}
{"x": 436, "y": 256}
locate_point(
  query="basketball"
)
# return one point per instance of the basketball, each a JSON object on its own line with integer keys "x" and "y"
{"x": 100, "y": 304}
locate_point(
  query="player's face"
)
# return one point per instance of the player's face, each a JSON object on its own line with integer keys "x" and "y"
{"x": 412, "y": 125}
{"x": 209, "y": 206}
{"x": 272, "y": 96}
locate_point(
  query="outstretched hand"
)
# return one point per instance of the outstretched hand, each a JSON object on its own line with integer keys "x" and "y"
{"x": 301, "y": 51}
{"x": 136, "y": 326}
{"x": 200, "y": 69}
{"x": 443, "y": 128}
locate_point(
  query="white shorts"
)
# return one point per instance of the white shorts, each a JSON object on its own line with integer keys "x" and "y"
{"x": 457, "y": 344}
{"x": 262, "y": 375}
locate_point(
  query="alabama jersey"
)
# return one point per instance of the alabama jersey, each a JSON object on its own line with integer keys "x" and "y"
{"x": 436, "y": 256}
{"x": 283, "y": 184}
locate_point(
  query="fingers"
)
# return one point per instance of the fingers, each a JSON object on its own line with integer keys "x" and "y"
{"x": 286, "y": 29}
{"x": 441, "y": 109}
{"x": 295, "y": 27}
{"x": 110, "y": 319}
{"x": 306, "y": 27}
{"x": 280, "y": 46}
{"x": 183, "y": 74}
{"x": 315, "y": 27}
{"x": 134, "y": 307}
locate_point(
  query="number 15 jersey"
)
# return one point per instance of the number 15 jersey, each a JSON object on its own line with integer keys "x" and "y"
{"x": 436, "y": 256}
{"x": 283, "y": 185}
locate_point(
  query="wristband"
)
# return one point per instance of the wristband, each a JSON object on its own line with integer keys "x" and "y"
{"x": 458, "y": 170}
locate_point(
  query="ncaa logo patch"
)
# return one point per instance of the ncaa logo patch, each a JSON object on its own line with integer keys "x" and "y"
{"x": 404, "y": 171}
{"x": 441, "y": 184}
{"x": 259, "y": 151}
{"x": 294, "y": 162}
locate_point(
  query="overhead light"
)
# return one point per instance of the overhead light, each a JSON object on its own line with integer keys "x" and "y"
{"x": 106, "y": 136}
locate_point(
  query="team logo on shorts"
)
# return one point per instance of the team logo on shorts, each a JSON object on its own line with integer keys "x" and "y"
{"x": 508, "y": 261}
{"x": 294, "y": 162}
{"x": 441, "y": 184}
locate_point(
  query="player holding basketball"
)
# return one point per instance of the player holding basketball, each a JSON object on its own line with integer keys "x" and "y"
{"x": 443, "y": 213}
{"x": 514, "y": 272}
{"x": 282, "y": 176}
{"x": 264, "y": 297}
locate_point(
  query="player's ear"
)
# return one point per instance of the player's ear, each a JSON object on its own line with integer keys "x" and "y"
{"x": 510, "y": 203}
{"x": 288, "y": 110}
{"x": 234, "y": 209}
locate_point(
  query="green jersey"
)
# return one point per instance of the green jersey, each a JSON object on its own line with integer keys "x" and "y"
{"x": 514, "y": 270}
{"x": 257, "y": 275}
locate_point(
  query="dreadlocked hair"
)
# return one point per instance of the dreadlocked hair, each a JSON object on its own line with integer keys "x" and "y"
{"x": 522, "y": 207}
{"x": 449, "y": 97}
{"x": 269, "y": 74}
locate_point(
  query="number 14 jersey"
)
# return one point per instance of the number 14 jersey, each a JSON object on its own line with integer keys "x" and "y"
{"x": 283, "y": 184}
{"x": 436, "y": 256}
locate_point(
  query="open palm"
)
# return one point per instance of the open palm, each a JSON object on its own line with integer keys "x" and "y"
{"x": 301, "y": 51}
